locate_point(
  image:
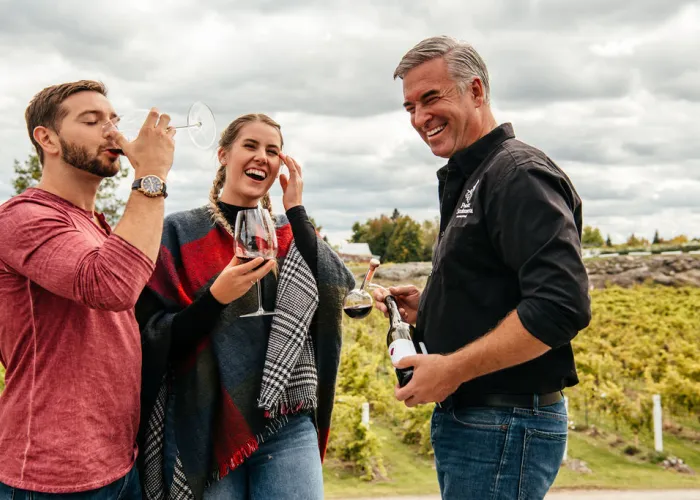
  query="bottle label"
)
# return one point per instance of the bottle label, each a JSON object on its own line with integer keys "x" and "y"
{"x": 400, "y": 348}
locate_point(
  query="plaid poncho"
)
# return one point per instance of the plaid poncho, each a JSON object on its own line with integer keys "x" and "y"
{"x": 218, "y": 418}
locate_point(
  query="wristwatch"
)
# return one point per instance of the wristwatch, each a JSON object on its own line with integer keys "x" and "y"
{"x": 150, "y": 185}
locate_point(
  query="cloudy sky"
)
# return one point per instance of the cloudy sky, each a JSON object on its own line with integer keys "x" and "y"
{"x": 609, "y": 89}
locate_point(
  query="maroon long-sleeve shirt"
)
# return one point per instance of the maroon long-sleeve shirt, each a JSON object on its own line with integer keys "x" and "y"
{"x": 70, "y": 345}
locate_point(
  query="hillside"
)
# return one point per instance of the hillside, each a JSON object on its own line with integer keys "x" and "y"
{"x": 643, "y": 340}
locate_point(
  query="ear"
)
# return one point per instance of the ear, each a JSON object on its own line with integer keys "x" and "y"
{"x": 222, "y": 155}
{"x": 476, "y": 89}
{"x": 47, "y": 139}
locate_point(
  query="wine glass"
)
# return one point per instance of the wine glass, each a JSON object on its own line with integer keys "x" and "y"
{"x": 255, "y": 236}
{"x": 358, "y": 302}
{"x": 201, "y": 124}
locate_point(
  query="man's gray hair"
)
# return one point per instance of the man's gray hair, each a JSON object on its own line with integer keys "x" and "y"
{"x": 463, "y": 62}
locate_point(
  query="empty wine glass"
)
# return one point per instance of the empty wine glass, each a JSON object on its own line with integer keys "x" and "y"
{"x": 255, "y": 236}
{"x": 358, "y": 302}
{"x": 201, "y": 124}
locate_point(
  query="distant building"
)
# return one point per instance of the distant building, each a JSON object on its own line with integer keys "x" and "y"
{"x": 355, "y": 252}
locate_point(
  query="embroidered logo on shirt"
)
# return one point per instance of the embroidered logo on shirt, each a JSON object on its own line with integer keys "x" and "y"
{"x": 466, "y": 206}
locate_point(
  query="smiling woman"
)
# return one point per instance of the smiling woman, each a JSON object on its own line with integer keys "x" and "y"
{"x": 261, "y": 414}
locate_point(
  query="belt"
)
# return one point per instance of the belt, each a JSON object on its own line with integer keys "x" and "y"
{"x": 458, "y": 400}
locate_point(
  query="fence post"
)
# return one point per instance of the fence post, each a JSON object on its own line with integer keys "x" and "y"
{"x": 566, "y": 443}
{"x": 658, "y": 439}
{"x": 365, "y": 414}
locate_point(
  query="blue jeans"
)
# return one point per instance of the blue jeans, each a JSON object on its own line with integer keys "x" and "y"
{"x": 287, "y": 465}
{"x": 126, "y": 488}
{"x": 498, "y": 453}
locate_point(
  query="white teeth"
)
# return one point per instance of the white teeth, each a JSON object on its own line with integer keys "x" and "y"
{"x": 435, "y": 130}
{"x": 257, "y": 172}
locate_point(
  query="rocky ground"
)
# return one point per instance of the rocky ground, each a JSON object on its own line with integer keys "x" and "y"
{"x": 625, "y": 271}
{"x": 671, "y": 270}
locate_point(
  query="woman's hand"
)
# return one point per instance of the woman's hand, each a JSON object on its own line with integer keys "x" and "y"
{"x": 293, "y": 185}
{"x": 236, "y": 279}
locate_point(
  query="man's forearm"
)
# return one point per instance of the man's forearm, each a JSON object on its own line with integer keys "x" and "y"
{"x": 507, "y": 345}
{"x": 142, "y": 223}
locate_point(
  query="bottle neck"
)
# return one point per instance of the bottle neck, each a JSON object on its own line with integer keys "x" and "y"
{"x": 393, "y": 307}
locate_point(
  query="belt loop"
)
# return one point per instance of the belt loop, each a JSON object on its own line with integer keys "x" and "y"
{"x": 536, "y": 402}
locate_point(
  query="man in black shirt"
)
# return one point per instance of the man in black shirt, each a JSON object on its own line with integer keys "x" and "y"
{"x": 507, "y": 293}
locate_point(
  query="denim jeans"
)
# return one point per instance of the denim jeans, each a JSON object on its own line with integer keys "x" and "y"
{"x": 287, "y": 466}
{"x": 498, "y": 453}
{"x": 126, "y": 488}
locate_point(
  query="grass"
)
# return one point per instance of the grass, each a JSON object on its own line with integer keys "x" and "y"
{"x": 410, "y": 474}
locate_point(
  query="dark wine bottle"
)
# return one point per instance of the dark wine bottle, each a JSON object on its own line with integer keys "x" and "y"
{"x": 399, "y": 340}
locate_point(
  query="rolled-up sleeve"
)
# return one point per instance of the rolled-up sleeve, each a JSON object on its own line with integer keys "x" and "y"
{"x": 530, "y": 215}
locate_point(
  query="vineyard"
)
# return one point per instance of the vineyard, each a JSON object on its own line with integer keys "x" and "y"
{"x": 641, "y": 341}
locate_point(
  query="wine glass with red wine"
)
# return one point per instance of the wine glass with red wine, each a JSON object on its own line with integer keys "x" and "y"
{"x": 254, "y": 236}
{"x": 358, "y": 302}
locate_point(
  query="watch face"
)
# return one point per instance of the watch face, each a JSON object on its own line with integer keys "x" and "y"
{"x": 152, "y": 184}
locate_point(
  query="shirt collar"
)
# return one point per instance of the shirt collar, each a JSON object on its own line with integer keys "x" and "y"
{"x": 466, "y": 160}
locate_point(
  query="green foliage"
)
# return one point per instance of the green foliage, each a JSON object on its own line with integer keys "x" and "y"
{"x": 108, "y": 203}
{"x": 354, "y": 442}
{"x": 375, "y": 232}
{"x": 591, "y": 237}
{"x": 635, "y": 242}
{"x": 641, "y": 341}
{"x": 405, "y": 243}
{"x": 27, "y": 175}
{"x": 398, "y": 238}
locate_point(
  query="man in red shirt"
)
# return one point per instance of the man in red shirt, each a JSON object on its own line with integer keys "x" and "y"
{"x": 68, "y": 284}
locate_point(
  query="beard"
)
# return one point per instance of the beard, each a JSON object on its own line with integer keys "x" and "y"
{"x": 79, "y": 157}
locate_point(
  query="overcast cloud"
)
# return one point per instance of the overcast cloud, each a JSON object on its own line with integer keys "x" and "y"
{"x": 610, "y": 90}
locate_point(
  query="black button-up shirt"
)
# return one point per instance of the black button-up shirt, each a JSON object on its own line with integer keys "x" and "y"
{"x": 510, "y": 233}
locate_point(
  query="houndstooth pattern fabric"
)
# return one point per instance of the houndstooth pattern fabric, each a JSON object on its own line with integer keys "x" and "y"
{"x": 289, "y": 379}
{"x": 154, "y": 484}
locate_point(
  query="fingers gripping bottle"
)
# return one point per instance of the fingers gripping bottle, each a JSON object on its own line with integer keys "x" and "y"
{"x": 399, "y": 340}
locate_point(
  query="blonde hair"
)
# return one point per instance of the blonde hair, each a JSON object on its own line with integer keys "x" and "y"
{"x": 228, "y": 138}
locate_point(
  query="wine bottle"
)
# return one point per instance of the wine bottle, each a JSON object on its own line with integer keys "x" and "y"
{"x": 399, "y": 340}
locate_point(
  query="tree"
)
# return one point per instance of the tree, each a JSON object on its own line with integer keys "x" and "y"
{"x": 608, "y": 242}
{"x": 679, "y": 240}
{"x": 107, "y": 202}
{"x": 405, "y": 242}
{"x": 397, "y": 238}
{"x": 656, "y": 239}
{"x": 591, "y": 237}
{"x": 27, "y": 175}
{"x": 633, "y": 241}
{"x": 375, "y": 232}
